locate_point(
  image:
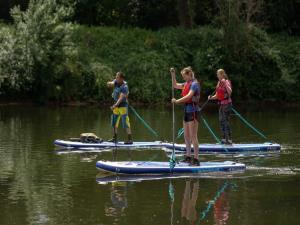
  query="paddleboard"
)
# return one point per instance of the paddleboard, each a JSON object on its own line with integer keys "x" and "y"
{"x": 234, "y": 148}
{"x": 105, "y": 144}
{"x": 151, "y": 167}
{"x": 203, "y": 148}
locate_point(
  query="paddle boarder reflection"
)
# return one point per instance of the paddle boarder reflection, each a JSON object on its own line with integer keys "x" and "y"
{"x": 118, "y": 198}
{"x": 219, "y": 204}
{"x": 190, "y": 196}
{"x": 221, "y": 209}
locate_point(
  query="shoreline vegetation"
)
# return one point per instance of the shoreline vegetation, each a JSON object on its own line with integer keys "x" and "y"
{"x": 46, "y": 60}
{"x": 253, "y": 104}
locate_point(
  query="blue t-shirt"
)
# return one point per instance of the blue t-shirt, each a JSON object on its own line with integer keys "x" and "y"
{"x": 189, "y": 108}
{"x": 118, "y": 89}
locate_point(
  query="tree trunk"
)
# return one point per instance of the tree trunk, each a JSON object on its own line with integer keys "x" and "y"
{"x": 184, "y": 13}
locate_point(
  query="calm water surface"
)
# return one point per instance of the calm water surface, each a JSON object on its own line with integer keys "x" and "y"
{"x": 40, "y": 185}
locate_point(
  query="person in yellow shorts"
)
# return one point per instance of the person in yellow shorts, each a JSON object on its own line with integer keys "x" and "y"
{"x": 120, "y": 107}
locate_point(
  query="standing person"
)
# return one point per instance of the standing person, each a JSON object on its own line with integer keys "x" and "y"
{"x": 190, "y": 99}
{"x": 120, "y": 107}
{"x": 223, "y": 95}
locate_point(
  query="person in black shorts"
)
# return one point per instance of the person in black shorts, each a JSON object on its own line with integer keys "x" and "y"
{"x": 190, "y": 99}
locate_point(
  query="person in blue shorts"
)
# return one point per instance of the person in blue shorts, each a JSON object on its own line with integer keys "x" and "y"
{"x": 120, "y": 106}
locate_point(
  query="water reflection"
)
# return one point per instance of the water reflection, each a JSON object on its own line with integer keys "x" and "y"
{"x": 38, "y": 186}
{"x": 190, "y": 196}
{"x": 219, "y": 203}
{"x": 118, "y": 197}
{"x": 221, "y": 209}
{"x": 216, "y": 209}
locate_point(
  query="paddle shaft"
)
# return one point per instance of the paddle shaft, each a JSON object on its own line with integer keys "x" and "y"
{"x": 205, "y": 103}
{"x": 173, "y": 118}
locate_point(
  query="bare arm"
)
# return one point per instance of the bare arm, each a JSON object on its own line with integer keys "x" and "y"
{"x": 177, "y": 85}
{"x": 174, "y": 82}
{"x": 110, "y": 83}
{"x": 228, "y": 87}
{"x": 214, "y": 97}
{"x": 121, "y": 97}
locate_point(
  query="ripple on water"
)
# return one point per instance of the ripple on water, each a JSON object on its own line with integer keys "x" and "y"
{"x": 289, "y": 147}
{"x": 275, "y": 170}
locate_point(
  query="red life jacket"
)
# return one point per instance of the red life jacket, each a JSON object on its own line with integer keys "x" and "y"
{"x": 186, "y": 90}
{"x": 222, "y": 92}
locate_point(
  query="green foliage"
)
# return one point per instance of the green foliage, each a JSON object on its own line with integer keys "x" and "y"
{"x": 249, "y": 56}
{"x": 273, "y": 15}
{"x": 47, "y": 58}
{"x": 288, "y": 49}
{"x": 12, "y": 60}
{"x": 255, "y": 66}
{"x": 131, "y": 51}
{"x": 126, "y": 13}
{"x": 94, "y": 85}
{"x": 148, "y": 76}
{"x": 281, "y": 16}
{"x": 35, "y": 49}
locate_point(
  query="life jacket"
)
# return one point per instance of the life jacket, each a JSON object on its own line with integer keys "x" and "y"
{"x": 221, "y": 91}
{"x": 186, "y": 90}
{"x": 117, "y": 91}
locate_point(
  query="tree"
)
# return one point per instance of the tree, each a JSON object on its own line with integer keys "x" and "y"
{"x": 6, "y": 5}
{"x": 185, "y": 14}
{"x": 36, "y": 47}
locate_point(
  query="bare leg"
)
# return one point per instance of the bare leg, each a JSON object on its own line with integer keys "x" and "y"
{"x": 114, "y": 123}
{"x": 115, "y": 138}
{"x": 195, "y": 139}
{"x": 193, "y": 128}
{"x": 187, "y": 139}
{"x": 128, "y": 130}
{"x": 186, "y": 199}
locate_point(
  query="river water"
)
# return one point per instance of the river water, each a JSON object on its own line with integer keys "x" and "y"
{"x": 41, "y": 185}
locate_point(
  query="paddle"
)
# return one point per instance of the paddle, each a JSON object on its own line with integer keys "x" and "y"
{"x": 172, "y": 159}
{"x": 172, "y": 197}
{"x": 114, "y": 152}
{"x": 205, "y": 103}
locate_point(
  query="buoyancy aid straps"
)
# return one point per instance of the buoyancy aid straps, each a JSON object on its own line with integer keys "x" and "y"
{"x": 221, "y": 91}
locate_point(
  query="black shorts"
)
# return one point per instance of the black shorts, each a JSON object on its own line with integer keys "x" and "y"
{"x": 188, "y": 117}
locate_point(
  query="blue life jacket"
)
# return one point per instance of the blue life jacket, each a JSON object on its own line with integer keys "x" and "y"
{"x": 118, "y": 89}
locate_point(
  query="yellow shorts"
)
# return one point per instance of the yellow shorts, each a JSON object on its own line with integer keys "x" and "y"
{"x": 120, "y": 113}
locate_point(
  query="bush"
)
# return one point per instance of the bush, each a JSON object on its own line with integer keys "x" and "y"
{"x": 35, "y": 48}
